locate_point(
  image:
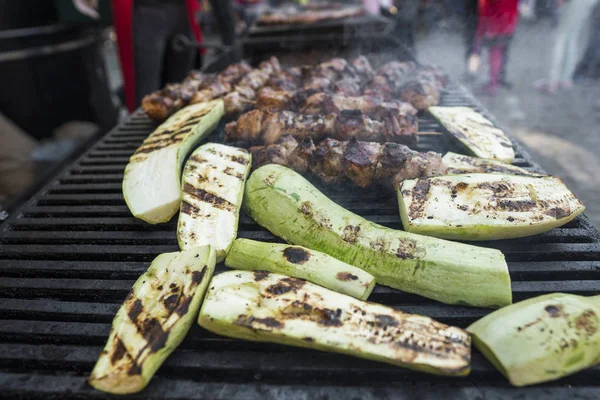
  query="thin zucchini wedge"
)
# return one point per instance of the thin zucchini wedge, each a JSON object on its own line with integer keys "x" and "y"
{"x": 541, "y": 339}
{"x": 152, "y": 180}
{"x": 485, "y": 206}
{"x": 475, "y": 132}
{"x": 213, "y": 189}
{"x": 153, "y": 320}
{"x": 275, "y": 308}
{"x": 458, "y": 164}
{"x": 303, "y": 263}
{"x": 290, "y": 207}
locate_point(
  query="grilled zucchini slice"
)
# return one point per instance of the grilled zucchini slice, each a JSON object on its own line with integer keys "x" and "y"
{"x": 152, "y": 181}
{"x": 485, "y": 206}
{"x": 213, "y": 189}
{"x": 156, "y": 316}
{"x": 290, "y": 207}
{"x": 541, "y": 339}
{"x": 458, "y": 164}
{"x": 476, "y": 133}
{"x": 301, "y": 262}
{"x": 274, "y": 308}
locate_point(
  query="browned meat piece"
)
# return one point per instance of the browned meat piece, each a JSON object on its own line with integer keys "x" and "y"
{"x": 354, "y": 124}
{"x": 393, "y": 155}
{"x": 317, "y": 84}
{"x": 271, "y": 154}
{"x": 249, "y": 126}
{"x": 363, "y": 68}
{"x": 420, "y": 94}
{"x": 286, "y": 80}
{"x": 233, "y": 72}
{"x": 396, "y": 71}
{"x": 239, "y": 101}
{"x": 360, "y": 161}
{"x": 420, "y": 165}
{"x": 372, "y": 106}
{"x": 270, "y": 99}
{"x": 379, "y": 87}
{"x": 347, "y": 87}
{"x": 300, "y": 156}
{"x": 215, "y": 90}
{"x": 327, "y": 161}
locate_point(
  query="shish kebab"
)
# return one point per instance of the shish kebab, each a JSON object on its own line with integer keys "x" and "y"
{"x": 364, "y": 163}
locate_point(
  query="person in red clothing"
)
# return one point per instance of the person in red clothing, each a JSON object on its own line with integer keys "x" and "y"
{"x": 497, "y": 21}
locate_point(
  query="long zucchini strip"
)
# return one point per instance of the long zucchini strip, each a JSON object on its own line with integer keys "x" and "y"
{"x": 301, "y": 262}
{"x": 292, "y": 208}
{"x": 152, "y": 181}
{"x": 486, "y": 206}
{"x": 153, "y": 320}
{"x": 458, "y": 164}
{"x": 213, "y": 189}
{"x": 274, "y": 308}
{"x": 541, "y": 339}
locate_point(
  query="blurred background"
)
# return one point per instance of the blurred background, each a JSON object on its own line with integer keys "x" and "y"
{"x": 67, "y": 70}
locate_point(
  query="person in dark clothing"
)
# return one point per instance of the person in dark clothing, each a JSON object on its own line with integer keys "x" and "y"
{"x": 589, "y": 66}
{"x": 406, "y": 22}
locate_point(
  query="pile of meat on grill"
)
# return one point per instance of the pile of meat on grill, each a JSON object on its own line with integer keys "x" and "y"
{"x": 311, "y": 15}
{"x": 360, "y": 118}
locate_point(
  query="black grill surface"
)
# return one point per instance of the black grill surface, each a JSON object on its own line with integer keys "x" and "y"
{"x": 69, "y": 256}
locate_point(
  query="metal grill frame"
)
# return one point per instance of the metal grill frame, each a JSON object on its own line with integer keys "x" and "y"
{"x": 71, "y": 253}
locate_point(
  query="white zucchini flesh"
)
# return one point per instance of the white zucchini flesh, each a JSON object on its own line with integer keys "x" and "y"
{"x": 153, "y": 320}
{"x": 274, "y": 308}
{"x": 476, "y": 133}
{"x": 212, "y": 193}
{"x": 458, "y": 164}
{"x": 486, "y": 206}
{"x": 152, "y": 179}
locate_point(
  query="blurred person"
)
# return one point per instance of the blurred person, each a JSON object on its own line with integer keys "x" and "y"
{"x": 496, "y": 24}
{"x": 470, "y": 28}
{"x": 146, "y": 32}
{"x": 571, "y": 23}
{"x": 405, "y": 14}
{"x": 589, "y": 66}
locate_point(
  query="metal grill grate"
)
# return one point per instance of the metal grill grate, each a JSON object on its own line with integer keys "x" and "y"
{"x": 69, "y": 256}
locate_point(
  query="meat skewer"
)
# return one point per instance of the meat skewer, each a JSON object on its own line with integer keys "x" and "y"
{"x": 268, "y": 126}
{"x": 364, "y": 163}
{"x": 163, "y": 103}
{"x": 242, "y": 98}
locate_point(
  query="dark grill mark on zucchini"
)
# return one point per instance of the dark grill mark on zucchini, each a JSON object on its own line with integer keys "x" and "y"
{"x": 346, "y": 276}
{"x": 188, "y": 208}
{"x": 408, "y": 249}
{"x": 286, "y": 285}
{"x": 207, "y": 197}
{"x": 229, "y": 171}
{"x": 197, "y": 276}
{"x": 558, "y": 212}
{"x": 516, "y": 205}
{"x": 384, "y": 321}
{"x": 149, "y": 148}
{"x": 170, "y": 302}
{"x": 260, "y": 275}
{"x": 296, "y": 255}
{"x": 419, "y": 198}
{"x": 239, "y": 159}
{"x": 119, "y": 350}
{"x": 250, "y": 322}
{"x": 350, "y": 233}
{"x": 135, "y": 309}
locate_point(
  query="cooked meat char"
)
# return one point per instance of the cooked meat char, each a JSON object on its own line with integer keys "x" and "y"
{"x": 243, "y": 97}
{"x": 268, "y": 126}
{"x": 372, "y": 106}
{"x": 389, "y": 78}
{"x": 364, "y": 163}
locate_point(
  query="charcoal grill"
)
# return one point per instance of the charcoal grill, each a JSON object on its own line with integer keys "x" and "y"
{"x": 69, "y": 256}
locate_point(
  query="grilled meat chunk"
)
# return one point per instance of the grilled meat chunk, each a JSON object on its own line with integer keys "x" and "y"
{"x": 269, "y": 126}
{"x": 364, "y": 163}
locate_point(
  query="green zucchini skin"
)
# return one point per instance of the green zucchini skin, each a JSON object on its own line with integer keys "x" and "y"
{"x": 476, "y": 133}
{"x": 458, "y": 164}
{"x": 153, "y": 320}
{"x": 152, "y": 179}
{"x": 485, "y": 206}
{"x": 303, "y": 263}
{"x": 212, "y": 193}
{"x": 541, "y": 339}
{"x": 285, "y": 203}
{"x": 266, "y": 307}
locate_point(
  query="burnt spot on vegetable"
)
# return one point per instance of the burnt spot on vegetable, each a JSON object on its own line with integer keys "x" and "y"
{"x": 260, "y": 275}
{"x": 231, "y": 172}
{"x": 384, "y": 321}
{"x": 135, "y": 309}
{"x": 330, "y": 317}
{"x": 587, "y": 323}
{"x": 197, "y": 276}
{"x": 119, "y": 350}
{"x": 208, "y": 197}
{"x": 516, "y": 205}
{"x": 306, "y": 208}
{"x": 170, "y": 302}
{"x": 296, "y": 255}
{"x": 285, "y": 285}
{"x": 555, "y": 311}
{"x": 350, "y": 233}
{"x": 558, "y": 212}
{"x": 419, "y": 198}
{"x": 346, "y": 276}
{"x": 251, "y": 322}
{"x": 308, "y": 339}
{"x": 153, "y": 333}
{"x": 408, "y": 249}
{"x": 188, "y": 208}
{"x": 239, "y": 159}
{"x": 379, "y": 245}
